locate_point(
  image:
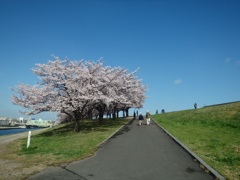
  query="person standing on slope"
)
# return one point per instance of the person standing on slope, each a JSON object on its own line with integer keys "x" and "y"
{"x": 195, "y": 105}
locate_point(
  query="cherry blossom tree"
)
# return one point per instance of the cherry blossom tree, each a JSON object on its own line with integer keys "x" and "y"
{"x": 77, "y": 88}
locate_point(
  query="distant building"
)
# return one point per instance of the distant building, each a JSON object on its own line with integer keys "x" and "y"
{"x": 5, "y": 121}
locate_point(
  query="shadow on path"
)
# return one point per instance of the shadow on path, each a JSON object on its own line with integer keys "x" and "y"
{"x": 135, "y": 152}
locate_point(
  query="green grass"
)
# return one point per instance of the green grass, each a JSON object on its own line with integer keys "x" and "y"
{"x": 58, "y": 146}
{"x": 213, "y": 133}
{"x": 65, "y": 144}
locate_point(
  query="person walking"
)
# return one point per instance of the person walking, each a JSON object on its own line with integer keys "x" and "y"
{"x": 134, "y": 115}
{"x": 148, "y": 117}
{"x": 140, "y": 119}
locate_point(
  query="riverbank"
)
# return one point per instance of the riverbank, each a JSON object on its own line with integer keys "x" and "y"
{"x": 11, "y": 137}
{"x": 6, "y": 127}
{"x": 61, "y": 146}
{"x": 16, "y": 130}
{"x": 8, "y": 165}
{"x": 15, "y": 127}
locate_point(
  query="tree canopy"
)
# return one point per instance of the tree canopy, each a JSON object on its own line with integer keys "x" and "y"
{"x": 79, "y": 89}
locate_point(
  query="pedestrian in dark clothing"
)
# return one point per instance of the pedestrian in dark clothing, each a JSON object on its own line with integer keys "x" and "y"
{"x": 140, "y": 119}
{"x": 195, "y": 105}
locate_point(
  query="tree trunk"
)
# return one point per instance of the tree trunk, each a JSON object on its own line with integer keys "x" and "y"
{"x": 76, "y": 126}
{"x": 76, "y": 118}
{"x": 127, "y": 111}
{"x": 101, "y": 110}
{"x": 114, "y": 113}
{"x": 100, "y": 118}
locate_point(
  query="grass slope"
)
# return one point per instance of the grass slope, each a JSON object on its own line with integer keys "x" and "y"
{"x": 213, "y": 133}
{"x": 54, "y": 147}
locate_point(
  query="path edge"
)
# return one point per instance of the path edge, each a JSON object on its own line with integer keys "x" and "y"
{"x": 211, "y": 170}
{"x": 115, "y": 132}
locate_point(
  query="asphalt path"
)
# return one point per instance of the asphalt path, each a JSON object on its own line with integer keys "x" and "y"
{"x": 134, "y": 153}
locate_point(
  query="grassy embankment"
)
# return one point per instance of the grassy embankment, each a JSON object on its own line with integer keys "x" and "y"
{"x": 213, "y": 133}
{"x": 56, "y": 147}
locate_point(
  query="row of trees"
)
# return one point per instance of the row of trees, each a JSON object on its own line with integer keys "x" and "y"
{"x": 80, "y": 89}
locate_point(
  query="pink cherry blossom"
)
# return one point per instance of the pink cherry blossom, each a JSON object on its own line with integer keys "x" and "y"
{"x": 80, "y": 89}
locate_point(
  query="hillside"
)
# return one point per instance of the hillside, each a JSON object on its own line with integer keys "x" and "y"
{"x": 211, "y": 132}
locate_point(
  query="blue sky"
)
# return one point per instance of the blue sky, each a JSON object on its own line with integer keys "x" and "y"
{"x": 187, "y": 51}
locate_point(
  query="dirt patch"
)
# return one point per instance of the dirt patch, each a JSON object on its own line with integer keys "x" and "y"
{"x": 11, "y": 166}
{"x": 14, "y": 170}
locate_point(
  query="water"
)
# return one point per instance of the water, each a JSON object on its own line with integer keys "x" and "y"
{"x": 15, "y": 131}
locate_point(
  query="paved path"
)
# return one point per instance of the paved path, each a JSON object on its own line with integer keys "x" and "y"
{"x": 134, "y": 153}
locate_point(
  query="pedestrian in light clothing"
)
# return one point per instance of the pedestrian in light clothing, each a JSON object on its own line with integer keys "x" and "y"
{"x": 140, "y": 119}
{"x": 148, "y": 117}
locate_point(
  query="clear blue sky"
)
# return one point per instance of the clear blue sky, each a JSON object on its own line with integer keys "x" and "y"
{"x": 188, "y": 51}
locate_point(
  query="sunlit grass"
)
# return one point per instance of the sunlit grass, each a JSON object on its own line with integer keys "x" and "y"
{"x": 68, "y": 145}
{"x": 212, "y": 133}
{"x": 59, "y": 146}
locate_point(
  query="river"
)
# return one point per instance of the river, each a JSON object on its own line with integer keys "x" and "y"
{"x": 15, "y": 130}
